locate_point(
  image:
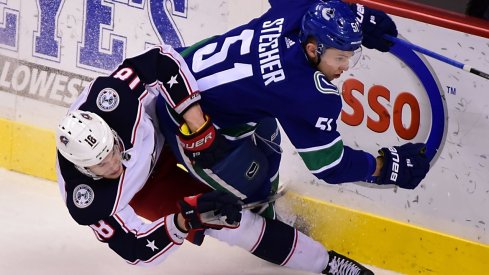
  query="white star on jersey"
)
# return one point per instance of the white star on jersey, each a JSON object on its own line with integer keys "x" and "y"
{"x": 173, "y": 80}
{"x": 152, "y": 245}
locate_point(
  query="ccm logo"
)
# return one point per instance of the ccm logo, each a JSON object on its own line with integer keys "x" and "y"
{"x": 395, "y": 164}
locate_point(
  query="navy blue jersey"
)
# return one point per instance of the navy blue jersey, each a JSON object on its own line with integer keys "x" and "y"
{"x": 260, "y": 70}
{"x": 126, "y": 101}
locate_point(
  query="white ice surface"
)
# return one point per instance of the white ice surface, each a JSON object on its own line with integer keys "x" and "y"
{"x": 38, "y": 236}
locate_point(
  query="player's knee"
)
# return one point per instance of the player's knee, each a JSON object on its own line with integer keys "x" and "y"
{"x": 246, "y": 235}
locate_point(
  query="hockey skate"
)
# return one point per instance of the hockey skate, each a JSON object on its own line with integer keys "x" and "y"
{"x": 342, "y": 265}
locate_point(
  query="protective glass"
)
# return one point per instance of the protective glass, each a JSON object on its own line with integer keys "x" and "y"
{"x": 342, "y": 59}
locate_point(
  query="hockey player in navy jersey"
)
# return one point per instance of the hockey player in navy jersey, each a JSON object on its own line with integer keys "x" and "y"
{"x": 117, "y": 178}
{"x": 281, "y": 66}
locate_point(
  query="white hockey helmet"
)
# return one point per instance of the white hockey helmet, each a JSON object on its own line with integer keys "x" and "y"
{"x": 84, "y": 138}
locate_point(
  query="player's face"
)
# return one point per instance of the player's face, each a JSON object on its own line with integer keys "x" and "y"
{"x": 111, "y": 166}
{"x": 334, "y": 62}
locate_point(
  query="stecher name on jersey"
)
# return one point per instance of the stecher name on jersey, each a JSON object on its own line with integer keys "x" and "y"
{"x": 270, "y": 66}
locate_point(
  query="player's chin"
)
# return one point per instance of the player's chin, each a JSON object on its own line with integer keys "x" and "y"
{"x": 115, "y": 174}
{"x": 333, "y": 77}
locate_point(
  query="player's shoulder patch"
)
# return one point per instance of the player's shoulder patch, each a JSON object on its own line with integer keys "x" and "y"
{"x": 107, "y": 100}
{"x": 83, "y": 195}
{"x": 89, "y": 201}
{"x": 323, "y": 85}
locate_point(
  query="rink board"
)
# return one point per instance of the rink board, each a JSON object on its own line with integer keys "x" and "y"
{"x": 48, "y": 59}
{"x": 371, "y": 239}
{"x": 386, "y": 243}
{"x": 27, "y": 149}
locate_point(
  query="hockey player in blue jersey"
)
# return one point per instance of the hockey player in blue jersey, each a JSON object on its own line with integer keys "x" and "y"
{"x": 280, "y": 66}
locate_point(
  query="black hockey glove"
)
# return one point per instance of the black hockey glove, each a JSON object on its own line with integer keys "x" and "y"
{"x": 375, "y": 24}
{"x": 216, "y": 209}
{"x": 206, "y": 146}
{"x": 404, "y": 166}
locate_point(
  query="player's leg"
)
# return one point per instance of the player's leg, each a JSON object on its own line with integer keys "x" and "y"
{"x": 281, "y": 244}
{"x": 268, "y": 139}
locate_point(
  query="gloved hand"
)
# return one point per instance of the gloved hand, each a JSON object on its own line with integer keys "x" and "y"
{"x": 375, "y": 24}
{"x": 206, "y": 146}
{"x": 404, "y": 166}
{"x": 215, "y": 209}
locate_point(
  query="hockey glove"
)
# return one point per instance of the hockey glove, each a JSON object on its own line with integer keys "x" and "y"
{"x": 375, "y": 24}
{"x": 206, "y": 146}
{"x": 404, "y": 166}
{"x": 215, "y": 209}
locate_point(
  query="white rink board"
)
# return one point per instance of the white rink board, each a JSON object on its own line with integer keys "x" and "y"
{"x": 452, "y": 199}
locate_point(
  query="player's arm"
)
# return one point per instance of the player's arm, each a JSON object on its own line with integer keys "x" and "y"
{"x": 320, "y": 145}
{"x": 334, "y": 162}
{"x": 147, "y": 244}
{"x": 194, "y": 118}
{"x": 338, "y": 163}
{"x": 140, "y": 243}
{"x": 165, "y": 72}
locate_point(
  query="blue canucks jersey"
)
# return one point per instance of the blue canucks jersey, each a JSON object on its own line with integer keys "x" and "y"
{"x": 260, "y": 70}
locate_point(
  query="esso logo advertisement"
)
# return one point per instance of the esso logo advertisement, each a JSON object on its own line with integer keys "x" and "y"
{"x": 391, "y": 99}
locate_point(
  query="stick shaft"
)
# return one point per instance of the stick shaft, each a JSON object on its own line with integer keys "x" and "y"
{"x": 272, "y": 198}
{"x": 438, "y": 56}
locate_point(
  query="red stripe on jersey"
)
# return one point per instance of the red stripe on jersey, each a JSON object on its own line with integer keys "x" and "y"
{"x": 121, "y": 222}
{"x": 154, "y": 257}
{"x": 168, "y": 247}
{"x": 119, "y": 192}
{"x": 293, "y": 248}
{"x": 183, "y": 101}
{"x": 259, "y": 237}
{"x": 149, "y": 231}
{"x": 184, "y": 76}
{"x": 133, "y": 231}
{"x": 136, "y": 125}
{"x": 164, "y": 93}
{"x": 168, "y": 233}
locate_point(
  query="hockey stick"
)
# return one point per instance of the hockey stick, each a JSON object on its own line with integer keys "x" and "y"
{"x": 280, "y": 193}
{"x": 438, "y": 56}
{"x": 211, "y": 217}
